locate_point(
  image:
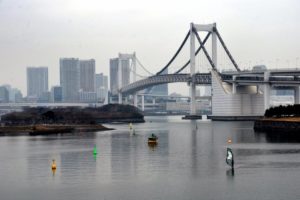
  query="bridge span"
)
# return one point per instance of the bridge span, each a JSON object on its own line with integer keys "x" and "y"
{"x": 276, "y": 78}
{"x": 200, "y": 79}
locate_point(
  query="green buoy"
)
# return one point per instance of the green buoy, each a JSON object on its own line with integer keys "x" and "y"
{"x": 95, "y": 150}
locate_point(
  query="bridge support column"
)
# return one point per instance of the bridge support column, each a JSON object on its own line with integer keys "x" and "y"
{"x": 296, "y": 95}
{"x": 120, "y": 98}
{"x": 143, "y": 103}
{"x": 214, "y": 56}
{"x": 192, "y": 70}
{"x": 267, "y": 89}
{"x": 120, "y": 78}
{"x": 135, "y": 100}
{"x": 233, "y": 85}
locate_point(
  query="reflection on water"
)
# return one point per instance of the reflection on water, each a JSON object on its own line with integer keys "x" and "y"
{"x": 188, "y": 162}
{"x": 230, "y": 173}
{"x": 152, "y": 146}
{"x": 279, "y": 137}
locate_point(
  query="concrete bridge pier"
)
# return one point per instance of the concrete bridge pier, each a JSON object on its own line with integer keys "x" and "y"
{"x": 267, "y": 90}
{"x": 233, "y": 85}
{"x": 192, "y": 71}
{"x": 119, "y": 79}
{"x": 135, "y": 100}
{"x": 120, "y": 98}
{"x": 143, "y": 103}
{"x": 296, "y": 95}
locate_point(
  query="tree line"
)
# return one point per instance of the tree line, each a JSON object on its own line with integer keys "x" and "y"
{"x": 72, "y": 115}
{"x": 282, "y": 111}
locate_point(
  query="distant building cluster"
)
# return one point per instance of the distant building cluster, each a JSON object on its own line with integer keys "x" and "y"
{"x": 79, "y": 83}
{"x": 77, "y": 80}
{"x": 10, "y": 95}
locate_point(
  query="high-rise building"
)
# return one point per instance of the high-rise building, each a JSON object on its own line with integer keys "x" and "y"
{"x": 114, "y": 81}
{"x": 70, "y": 79}
{"x": 11, "y": 94}
{"x": 56, "y": 94}
{"x": 101, "y": 85}
{"x": 18, "y": 96}
{"x": 14, "y": 94}
{"x": 4, "y": 96}
{"x": 87, "y": 75}
{"x": 37, "y": 81}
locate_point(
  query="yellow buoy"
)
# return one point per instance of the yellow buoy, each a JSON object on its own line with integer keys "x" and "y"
{"x": 53, "y": 165}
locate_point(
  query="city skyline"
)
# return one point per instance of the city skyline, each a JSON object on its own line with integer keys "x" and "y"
{"x": 142, "y": 27}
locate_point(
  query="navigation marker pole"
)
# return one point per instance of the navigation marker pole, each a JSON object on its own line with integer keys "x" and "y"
{"x": 229, "y": 158}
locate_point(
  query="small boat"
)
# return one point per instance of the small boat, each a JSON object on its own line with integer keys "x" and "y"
{"x": 152, "y": 139}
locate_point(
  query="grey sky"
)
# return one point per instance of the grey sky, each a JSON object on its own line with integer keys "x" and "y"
{"x": 39, "y": 32}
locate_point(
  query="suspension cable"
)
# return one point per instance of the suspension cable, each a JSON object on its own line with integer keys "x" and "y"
{"x": 204, "y": 50}
{"x": 226, "y": 50}
{"x": 143, "y": 66}
{"x": 141, "y": 76}
{"x": 177, "y": 52}
{"x": 198, "y": 50}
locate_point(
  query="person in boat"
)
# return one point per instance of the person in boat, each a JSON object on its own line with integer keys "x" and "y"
{"x": 153, "y": 136}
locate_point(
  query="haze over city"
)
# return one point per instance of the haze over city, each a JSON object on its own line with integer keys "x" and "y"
{"x": 38, "y": 33}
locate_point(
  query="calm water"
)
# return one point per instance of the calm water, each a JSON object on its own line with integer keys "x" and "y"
{"x": 187, "y": 163}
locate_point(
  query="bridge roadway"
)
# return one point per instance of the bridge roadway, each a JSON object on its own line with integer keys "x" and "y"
{"x": 201, "y": 79}
{"x": 280, "y": 77}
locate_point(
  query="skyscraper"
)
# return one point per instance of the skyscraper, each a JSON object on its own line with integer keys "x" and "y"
{"x": 70, "y": 79}
{"x": 101, "y": 85}
{"x": 114, "y": 81}
{"x": 4, "y": 96}
{"x": 56, "y": 94}
{"x": 87, "y": 75}
{"x": 37, "y": 81}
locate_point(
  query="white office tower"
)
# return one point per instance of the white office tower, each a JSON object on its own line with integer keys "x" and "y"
{"x": 37, "y": 81}
{"x": 70, "y": 79}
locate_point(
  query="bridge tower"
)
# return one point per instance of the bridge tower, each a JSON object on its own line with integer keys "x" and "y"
{"x": 206, "y": 28}
{"x": 125, "y": 57}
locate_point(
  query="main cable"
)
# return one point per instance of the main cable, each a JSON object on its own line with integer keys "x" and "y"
{"x": 139, "y": 62}
{"x": 177, "y": 52}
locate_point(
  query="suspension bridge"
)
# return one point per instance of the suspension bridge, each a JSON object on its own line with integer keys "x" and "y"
{"x": 234, "y": 93}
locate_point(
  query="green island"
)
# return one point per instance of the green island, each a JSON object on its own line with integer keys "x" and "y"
{"x": 42, "y": 121}
{"x": 283, "y": 119}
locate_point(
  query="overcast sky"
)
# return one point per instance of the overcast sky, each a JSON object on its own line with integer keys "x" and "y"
{"x": 39, "y": 32}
